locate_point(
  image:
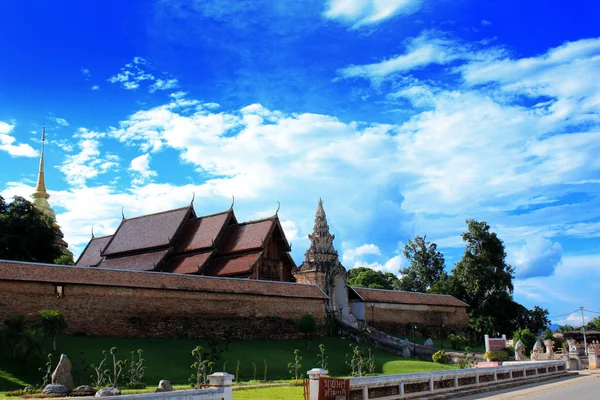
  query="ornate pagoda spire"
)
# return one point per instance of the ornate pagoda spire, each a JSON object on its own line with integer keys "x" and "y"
{"x": 41, "y": 196}
{"x": 321, "y": 255}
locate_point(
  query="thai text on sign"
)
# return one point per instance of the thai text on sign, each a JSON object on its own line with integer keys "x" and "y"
{"x": 334, "y": 389}
{"x": 497, "y": 344}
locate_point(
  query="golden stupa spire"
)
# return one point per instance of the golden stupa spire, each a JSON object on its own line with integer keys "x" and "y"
{"x": 40, "y": 196}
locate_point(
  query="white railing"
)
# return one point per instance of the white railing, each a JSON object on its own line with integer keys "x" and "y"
{"x": 427, "y": 383}
{"x": 220, "y": 389}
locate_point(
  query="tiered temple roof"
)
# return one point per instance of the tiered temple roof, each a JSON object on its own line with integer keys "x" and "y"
{"x": 178, "y": 241}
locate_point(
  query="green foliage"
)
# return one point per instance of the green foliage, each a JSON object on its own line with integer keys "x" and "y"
{"x": 441, "y": 357}
{"x": 457, "y": 342}
{"x": 566, "y": 328}
{"x": 52, "y": 324}
{"x": 594, "y": 324}
{"x": 496, "y": 355}
{"x": 136, "y": 369}
{"x": 65, "y": 258}
{"x": 468, "y": 360}
{"x": 118, "y": 366}
{"x": 308, "y": 326}
{"x": 295, "y": 365}
{"x": 369, "y": 278}
{"x": 537, "y": 319}
{"x": 526, "y": 337}
{"x": 322, "y": 363}
{"x": 426, "y": 266}
{"x": 254, "y": 368}
{"x": 265, "y": 369}
{"x": 558, "y": 342}
{"x": 201, "y": 368}
{"x": 26, "y": 234}
{"x": 99, "y": 376}
{"x": 510, "y": 350}
{"x": 356, "y": 361}
{"x": 370, "y": 362}
{"x": 237, "y": 372}
{"x": 47, "y": 370}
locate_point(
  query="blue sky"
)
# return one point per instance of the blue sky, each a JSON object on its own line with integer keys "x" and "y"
{"x": 406, "y": 116}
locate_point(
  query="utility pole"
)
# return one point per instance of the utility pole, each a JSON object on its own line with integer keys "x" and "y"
{"x": 583, "y": 330}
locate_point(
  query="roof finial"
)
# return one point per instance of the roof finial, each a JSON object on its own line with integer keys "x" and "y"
{"x": 232, "y": 202}
{"x": 92, "y": 231}
{"x": 193, "y": 198}
{"x": 278, "y": 207}
{"x": 123, "y": 212}
{"x": 44, "y": 133}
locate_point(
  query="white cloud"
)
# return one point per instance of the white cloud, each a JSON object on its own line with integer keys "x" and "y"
{"x": 86, "y": 73}
{"x": 60, "y": 122}
{"x": 141, "y": 166}
{"x": 392, "y": 265}
{"x": 7, "y": 143}
{"x": 351, "y": 255}
{"x": 163, "y": 84}
{"x": 537, "y": 257}
{"x": 485, "y": 22}
{"x": 89, "y": 162}
{"x": 359, "y": 13}
{"x": 95, "y": 87}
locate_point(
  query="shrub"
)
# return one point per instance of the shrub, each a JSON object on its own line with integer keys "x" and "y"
{"x": 308, "y": 326}
{"x": 458, "y": 342}
{"x": 510, "y": 350}
{"x": 440, "y": 357}
{"x": 496, "y": 355}
{"x": 527, "y": 338}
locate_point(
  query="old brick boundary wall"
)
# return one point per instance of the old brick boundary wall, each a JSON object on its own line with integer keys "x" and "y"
{"x": 108, "y": 302}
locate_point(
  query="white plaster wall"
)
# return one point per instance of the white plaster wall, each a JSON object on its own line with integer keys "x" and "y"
{"x": 358, "y": 309}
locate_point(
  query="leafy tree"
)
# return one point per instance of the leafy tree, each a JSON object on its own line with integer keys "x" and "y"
{"x": 537, "y": 319}
{"x": 308, "y": 326}
{"x": 426, "y": 266}
{"x": 482, "y": 276}
{"x": 65, "y": 257}
{"x": 369, "y": 278}
{"x": 594, "y": 324}
{"x": 53, "y": 324}
{"x": 26, "y": 234}
{"x": 565, "y": 328}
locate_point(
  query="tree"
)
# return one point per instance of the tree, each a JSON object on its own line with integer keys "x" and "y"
{"x": 26, "y": 234}
{"x": 482, "y": 276}
{"x": 526, "y": 337}
{"x": 426, "y": 266}
{"x": 594, "y": 324}
{"x": 369, "y": 278}
{"x": 566, "y": 328}
{"x": 537, "y": 319}
{"x": 308, "y": 326}
{"x": 53, "y": 324}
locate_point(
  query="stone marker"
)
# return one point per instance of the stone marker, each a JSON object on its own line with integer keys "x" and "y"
{"x": 592, "y": 356}
{"x": 164, "y": 386}
{"x": 520, "y": 351}
{"x": 107, "y": 392}
{"x": 56, "y": 389}
{"x": 428, "y": 343}
{"x": 62, "y": 373}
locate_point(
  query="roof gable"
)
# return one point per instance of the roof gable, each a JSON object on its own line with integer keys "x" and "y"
{"x": 147, "y": 232}
{"x": 92, "y": 254}
{"x": 246, "y": 236}
{"x": 400, "y": 297}
{"x": 202, "y": 233}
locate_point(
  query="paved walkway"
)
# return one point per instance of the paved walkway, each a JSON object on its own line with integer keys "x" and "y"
{"x": 585, "y": 386}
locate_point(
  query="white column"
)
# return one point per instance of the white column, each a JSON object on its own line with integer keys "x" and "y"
{"x": 224, "y": 380}
{"x": 313, "y": 376}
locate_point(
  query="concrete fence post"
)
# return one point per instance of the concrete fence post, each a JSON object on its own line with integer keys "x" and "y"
{"x": 313, "y": 383}
{"x": 431, "y": 386}
{"x": 223, "y": 380}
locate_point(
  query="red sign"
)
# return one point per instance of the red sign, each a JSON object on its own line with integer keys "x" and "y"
{"x": 497, "y": 344}
{"x": 334, "y": 389}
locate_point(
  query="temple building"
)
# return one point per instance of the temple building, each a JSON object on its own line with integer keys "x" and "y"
{"x": 179, "y": 241}
{"x": 41, "y": 196}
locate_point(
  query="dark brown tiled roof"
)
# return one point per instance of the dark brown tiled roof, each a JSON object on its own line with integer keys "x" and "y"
{"x": 147, "y": 232}
{"x": 231, "y": 266}
{"x": 137, "y": 262}
{"x": 199, "y": 233}
{"x": 187, "y": 264}
{"x": 247, "y": 236}
{"x": 91, "y": 254}
{"x": 53, "y": 274}
{"x": 395, "y": 296}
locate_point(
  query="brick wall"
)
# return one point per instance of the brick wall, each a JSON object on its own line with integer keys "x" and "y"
{"x": 163, "y": 310}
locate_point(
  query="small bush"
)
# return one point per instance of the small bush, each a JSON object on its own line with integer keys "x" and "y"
{"x": 458, "y": 342}
{"x": 510, "y": 350}
{"x": 440, "y": 357}
{"x": 496, "y": 355}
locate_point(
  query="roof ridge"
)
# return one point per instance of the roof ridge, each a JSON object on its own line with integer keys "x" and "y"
{"x": 159, "y": 212}
{"x": 100, "y": 237}
{"x": 403, "y": 291}
{"x": 271, "y": 218}
{"x": 212, "y": 215}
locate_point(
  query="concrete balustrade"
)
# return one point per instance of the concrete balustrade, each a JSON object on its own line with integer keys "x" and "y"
{"x": 220, "y": 389}
{"x": 387, "y": 387}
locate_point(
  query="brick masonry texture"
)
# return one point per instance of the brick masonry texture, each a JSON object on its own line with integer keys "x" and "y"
{"x": 140, "y": 304}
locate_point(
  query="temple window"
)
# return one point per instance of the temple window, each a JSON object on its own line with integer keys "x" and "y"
{"x": 59, "y": 291}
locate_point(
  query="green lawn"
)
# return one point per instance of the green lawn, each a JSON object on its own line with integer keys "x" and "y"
{"x": 171, "y": 359}
{"x": 275, "y": 393}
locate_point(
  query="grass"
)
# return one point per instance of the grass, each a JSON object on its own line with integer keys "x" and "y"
{"x": 171, "y": 359}
{"x": 274, "y": 393}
